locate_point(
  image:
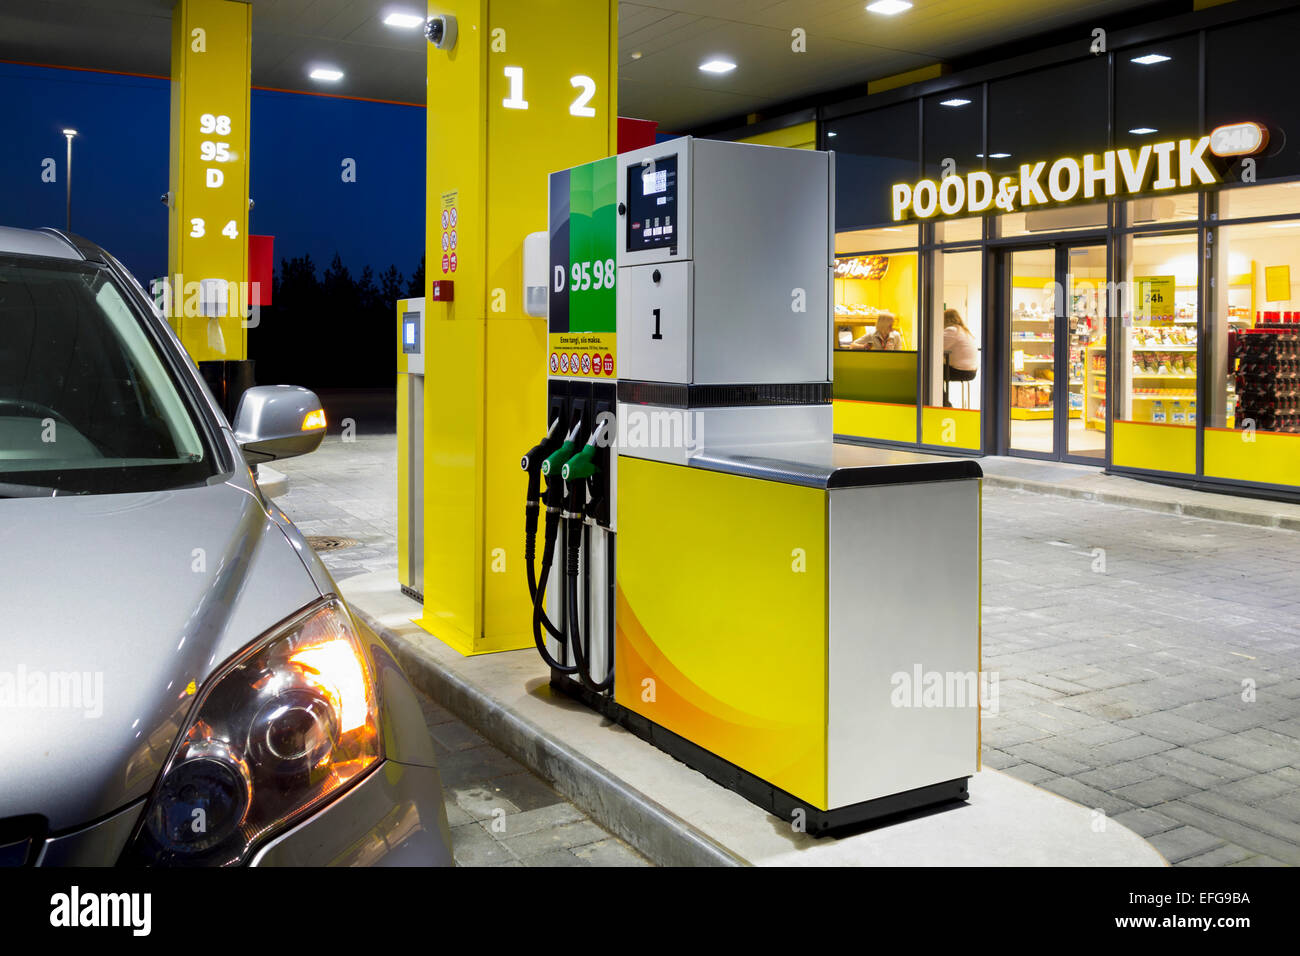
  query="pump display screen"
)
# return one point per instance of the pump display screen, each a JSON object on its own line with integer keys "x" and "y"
{"x": 411, "y": 333}
{"x": 652, "y": 204}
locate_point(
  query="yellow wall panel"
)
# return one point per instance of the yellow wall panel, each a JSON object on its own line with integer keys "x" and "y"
{"x": 953, "y": 427}
{"x": 1272, "y": 458}
{"x": 874, "y": 420}
{"x": 799, "y": 136}
{"x": 1156, "y": 447}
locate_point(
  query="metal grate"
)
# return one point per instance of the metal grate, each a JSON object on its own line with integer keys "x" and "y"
{"x": 322, "y": 543}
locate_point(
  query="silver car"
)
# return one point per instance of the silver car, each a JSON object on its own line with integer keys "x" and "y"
{"x": 180, "y": 683}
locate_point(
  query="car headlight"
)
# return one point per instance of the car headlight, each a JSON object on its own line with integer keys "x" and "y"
{"x": 274, "y": 733}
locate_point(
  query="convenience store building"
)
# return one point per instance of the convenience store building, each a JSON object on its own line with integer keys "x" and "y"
{"x": 1119, "y": 230}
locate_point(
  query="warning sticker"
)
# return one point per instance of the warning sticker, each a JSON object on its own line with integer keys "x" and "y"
{"x": 582, "y": 353}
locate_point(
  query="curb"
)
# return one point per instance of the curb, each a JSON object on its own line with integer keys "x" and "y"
{"x": 1189, "y": 510}
{"x": 657, "y": 833}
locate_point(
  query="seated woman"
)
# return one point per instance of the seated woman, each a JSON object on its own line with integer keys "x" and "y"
{"x": 883, "y": 337}
{"x": 961, "y": 355}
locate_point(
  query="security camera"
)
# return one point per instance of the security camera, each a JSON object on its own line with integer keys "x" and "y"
{"x": 441, "y": 31}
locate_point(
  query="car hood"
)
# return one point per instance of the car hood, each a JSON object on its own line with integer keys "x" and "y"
{"x": 115, "y": 609}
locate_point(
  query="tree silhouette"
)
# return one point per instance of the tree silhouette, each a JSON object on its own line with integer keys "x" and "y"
{"x": 415, "y": 288}
{"x": 332, "y": 331}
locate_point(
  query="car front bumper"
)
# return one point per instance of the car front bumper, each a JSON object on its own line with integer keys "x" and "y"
{"x": 393, "y": 817}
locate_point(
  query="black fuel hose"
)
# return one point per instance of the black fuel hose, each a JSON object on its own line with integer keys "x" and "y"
{"x": 571, "y": 565}
{"x": 548, "y": 554}
{"x": 530, "y": 551}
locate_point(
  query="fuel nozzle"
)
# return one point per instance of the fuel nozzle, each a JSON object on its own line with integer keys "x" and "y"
{"x": 533, "y": 459}
{"x": 581, "y": 467}
{"x": 556, "y": 461}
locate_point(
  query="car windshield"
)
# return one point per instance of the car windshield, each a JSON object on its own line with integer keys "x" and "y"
{"x": 87, "y": 405}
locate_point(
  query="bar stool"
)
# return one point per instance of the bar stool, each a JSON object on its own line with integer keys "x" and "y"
{"x": 965, "y": 376}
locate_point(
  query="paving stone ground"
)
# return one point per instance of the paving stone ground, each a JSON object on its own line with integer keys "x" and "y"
{"x": 502, "y": 815}
{"x": 1148, "y": 664}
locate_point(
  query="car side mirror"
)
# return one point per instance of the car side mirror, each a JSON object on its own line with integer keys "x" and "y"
{"x": 278, "y": 421}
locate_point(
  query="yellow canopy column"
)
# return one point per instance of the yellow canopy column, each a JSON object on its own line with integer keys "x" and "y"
{"x": 528, "y": 88}
{"x": 207, "y": 232}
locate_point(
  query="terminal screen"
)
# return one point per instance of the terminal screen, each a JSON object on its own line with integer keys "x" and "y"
{"x": 411, "y": 333}
{"x": 652, "y": 204}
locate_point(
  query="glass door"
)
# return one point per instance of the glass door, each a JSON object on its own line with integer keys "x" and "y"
{"x": 1084, "y": 425}
{"x": 1056, "y": 354}
{"x": 1032, "y": 369}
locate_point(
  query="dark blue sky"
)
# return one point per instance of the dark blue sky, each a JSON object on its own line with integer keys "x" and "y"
{"x": 298, "y": 144}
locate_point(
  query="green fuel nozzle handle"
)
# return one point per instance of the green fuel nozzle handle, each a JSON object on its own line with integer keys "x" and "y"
{"x": 557, "y": 460}
{"x": 580, "y": 466}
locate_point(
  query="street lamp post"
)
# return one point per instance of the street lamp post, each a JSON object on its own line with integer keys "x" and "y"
{"x": 69, "y": 133}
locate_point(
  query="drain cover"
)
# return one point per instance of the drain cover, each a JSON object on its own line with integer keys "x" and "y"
{"x": 321, "y": 543}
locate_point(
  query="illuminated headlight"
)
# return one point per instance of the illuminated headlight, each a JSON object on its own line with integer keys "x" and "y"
{"x": 277, "y": 731}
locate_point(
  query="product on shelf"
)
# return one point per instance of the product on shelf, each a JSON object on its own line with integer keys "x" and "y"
{"x": 1267, "y": 380}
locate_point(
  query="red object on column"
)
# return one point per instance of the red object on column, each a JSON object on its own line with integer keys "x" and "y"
{"x": 635, "y": 133}
{"x": 261, "y": 259}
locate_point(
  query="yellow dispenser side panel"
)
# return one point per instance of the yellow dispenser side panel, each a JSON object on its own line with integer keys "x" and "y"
{"x": 208, "y": 220}
{"x": 721, "y": 617}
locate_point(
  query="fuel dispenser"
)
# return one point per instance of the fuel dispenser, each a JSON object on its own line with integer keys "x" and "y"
{"x": 708, "y": 567}
{"x": 410, "y": 447}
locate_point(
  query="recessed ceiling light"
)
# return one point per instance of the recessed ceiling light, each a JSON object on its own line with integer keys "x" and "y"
{"x": 1142, "y": 130}
{"x": 717, "y": 66}
{"x": 322, "y": 73}
{"x": 637, "y": 55}
{"x": 999, "y": 155}
{"x": 406, "y": 21}
{"x": 954, "y": 102}
{"x": 832, "y": 134}
{"x": 888, "y": 7}
{"x": 1151, "y": 58}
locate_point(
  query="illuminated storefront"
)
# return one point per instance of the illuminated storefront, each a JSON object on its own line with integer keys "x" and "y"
{"x": 1092, "y": 259}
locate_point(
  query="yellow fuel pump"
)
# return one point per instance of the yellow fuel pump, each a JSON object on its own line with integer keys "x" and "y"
{"x": 717, "y": 573}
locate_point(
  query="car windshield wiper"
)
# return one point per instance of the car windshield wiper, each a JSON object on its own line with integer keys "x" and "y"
{"x": 10, "y": 490}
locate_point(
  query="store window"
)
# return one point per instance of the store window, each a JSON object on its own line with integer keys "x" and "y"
{"x": 876, "y": 337}
{"x": 1154, "y": 385}
{"x": 959, "y": 230}
{"x": 856, "y": 241}
{"x": 880, "y": 146}
{"x": 1157, "y": 92}
{"x": 954, "y": 350}
{"x": 1150, "y": 210}
{"x": 1054, "y": 219}
{"x": 1250, "y": 202}
{"x": 1253, "y": 431}
{"x": 954, "y": 131}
